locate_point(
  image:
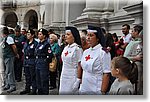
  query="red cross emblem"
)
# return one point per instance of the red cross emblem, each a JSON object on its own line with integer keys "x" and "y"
{"x": 87, "y": 58}
{"x": 66, "y": 53}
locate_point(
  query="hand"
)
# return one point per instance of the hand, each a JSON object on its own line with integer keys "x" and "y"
{"x": 76, "y": 85}
{"x": 17, "y": 56}
{"x": 138, "y": 57}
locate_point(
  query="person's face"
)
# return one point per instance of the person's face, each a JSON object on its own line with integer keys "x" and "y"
{"x": 41, "y": 36}
{"x": 63, "y": 37}
{"x": 83, "y": 41}
{"x": 29, "y": 36}
{"x": 23, "y": 32}
{"x": 69, "y": 38}
{"x": 92, "y": 40}
{"x": 134, "y": 33}
{"x": 114, "y": 71}
{"x": 17, "y": 33}
{"x": 51, "y": 40}
{"x": 114, "y": 38}
{"x": 125, "y": 30}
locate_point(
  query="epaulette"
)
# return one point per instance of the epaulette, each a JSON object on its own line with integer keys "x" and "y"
{"x": 105, "y": 49}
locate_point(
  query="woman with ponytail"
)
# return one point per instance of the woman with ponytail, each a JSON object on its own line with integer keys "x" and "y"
{"x": 126, "y": 74}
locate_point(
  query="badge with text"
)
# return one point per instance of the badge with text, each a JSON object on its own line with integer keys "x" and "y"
{"x": 32, "y": 46}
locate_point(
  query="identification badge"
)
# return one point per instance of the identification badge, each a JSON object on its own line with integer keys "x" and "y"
{"x": 41, "y": 47}
{"x": 49, "y": 51}
{"x": 16, "y": 41}
{"x": 32, "y": 46}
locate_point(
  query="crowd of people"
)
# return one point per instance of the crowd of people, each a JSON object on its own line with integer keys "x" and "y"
{"x": 87, "y": 62}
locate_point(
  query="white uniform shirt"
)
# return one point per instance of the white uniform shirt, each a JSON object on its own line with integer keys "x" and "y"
{"x": 71, "y": 55}
{"x": 94, "y": 62}
{"x": 127, "y": 38}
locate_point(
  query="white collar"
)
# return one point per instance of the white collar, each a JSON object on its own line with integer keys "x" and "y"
{"x": 98, "y": 46}
{"x": 72, "y": 45}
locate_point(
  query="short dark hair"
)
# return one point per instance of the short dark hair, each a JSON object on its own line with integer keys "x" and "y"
{"x": 5, "y": 30}
{"x": 51, "y": 31}
{"x": 103, "y": 30}
{"x": 128, "y": 27}
{"x": 138, "y": 28}
{"x": 84, "y": 31}
{"x": 115, "y": 35}
{"x": 17, "y": 28}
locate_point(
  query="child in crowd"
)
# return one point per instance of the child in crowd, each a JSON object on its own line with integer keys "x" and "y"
{"x": 126, "y": 74}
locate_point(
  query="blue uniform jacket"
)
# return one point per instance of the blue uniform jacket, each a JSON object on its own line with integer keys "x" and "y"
{"x": 43, "y": 55}
{"x": 29, "y": 49}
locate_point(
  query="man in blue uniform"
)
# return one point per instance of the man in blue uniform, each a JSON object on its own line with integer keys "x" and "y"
{"x": 44, "y": 56}
{"x": 29, "y": 63}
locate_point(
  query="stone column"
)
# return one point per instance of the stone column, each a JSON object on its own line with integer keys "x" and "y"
{"x": 47, "y": 16}
{"x": 108, "y": 8}
{"x": 58, "y": 13}
{"x": 136, "y": 11}
{"x": 41, "y": 13}
{"x": 94, "y": 9}
{"x": 1, "y": 16}
{"x": 116, "y": 6}
{"x": 107, "y": 11}
{"x": 91, "y": 14}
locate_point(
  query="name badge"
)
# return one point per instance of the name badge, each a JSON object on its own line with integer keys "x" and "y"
{"x": 41, "y": 47}
{"x": 16, "y": 41}
{"x": 32, "y": 46}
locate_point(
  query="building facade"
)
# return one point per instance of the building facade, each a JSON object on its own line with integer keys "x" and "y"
{"x": 56, "y": 14}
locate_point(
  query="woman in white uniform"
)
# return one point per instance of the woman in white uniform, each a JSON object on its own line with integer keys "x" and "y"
{"x": 95, "y": 63}
{"x": 71, "y": 57}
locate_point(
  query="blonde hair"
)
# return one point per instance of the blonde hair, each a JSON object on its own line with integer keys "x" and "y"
{"x": 54, "y": 37}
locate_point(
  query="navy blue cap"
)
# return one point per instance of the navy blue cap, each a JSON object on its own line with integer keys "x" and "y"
{"x": 99, "y": 34}
{"x": 44, "y": 31}
{"x": 75, "y": 34}
{"x": 31, "y": 31}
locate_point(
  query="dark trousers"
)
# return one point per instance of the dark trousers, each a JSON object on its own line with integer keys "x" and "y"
{"x": 59, "y": 72}
{"x": 30, "y": 78}
{"x": 18, "y": 68}
{"x": 42, "y": 78}
{"x": 53, "y": 78}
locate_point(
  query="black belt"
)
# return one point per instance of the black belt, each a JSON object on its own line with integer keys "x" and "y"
{"x": 42, "y": 57}
{"x": 29, "y": 57}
